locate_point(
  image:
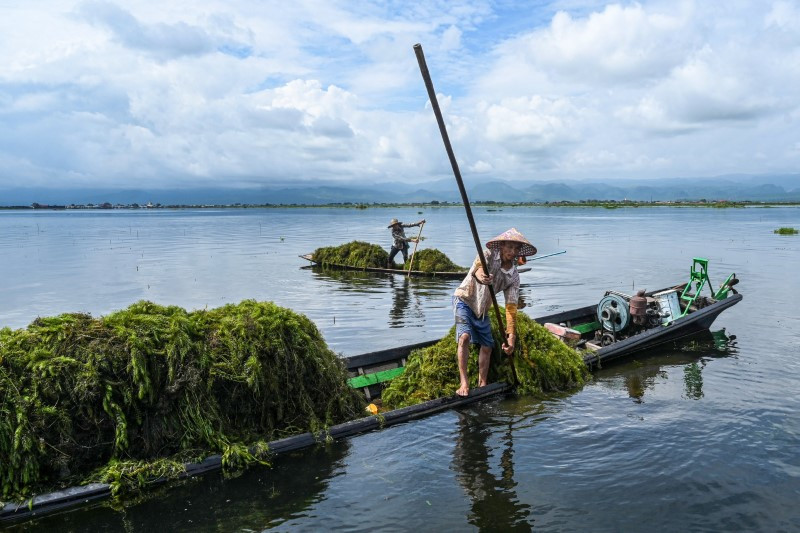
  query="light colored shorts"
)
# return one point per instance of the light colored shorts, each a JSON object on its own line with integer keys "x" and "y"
{"x": 479, "y": 330}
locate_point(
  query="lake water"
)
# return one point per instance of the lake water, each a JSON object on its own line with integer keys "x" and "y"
{"x": 700, "y": 435}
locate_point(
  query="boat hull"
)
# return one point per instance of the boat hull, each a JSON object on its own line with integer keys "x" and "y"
{"x": 690, "y": 324}
{"x": 418, "y": 273}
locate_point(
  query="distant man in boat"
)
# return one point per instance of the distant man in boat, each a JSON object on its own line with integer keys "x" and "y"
{"x": 399, "y": 239}
{"x": 472, "y": 302}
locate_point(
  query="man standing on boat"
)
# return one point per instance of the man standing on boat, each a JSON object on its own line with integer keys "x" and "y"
{"x": 471, "y": 303}
{"x": 399, "y": 239}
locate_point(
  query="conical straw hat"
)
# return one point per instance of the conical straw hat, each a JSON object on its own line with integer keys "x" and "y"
{"x": 513, "y": 235}
{"x": 393, "y": 222}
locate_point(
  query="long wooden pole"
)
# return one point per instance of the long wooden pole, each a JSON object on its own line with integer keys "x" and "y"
{"x": 426, "y": 76}
{"x": 411, "y": 263}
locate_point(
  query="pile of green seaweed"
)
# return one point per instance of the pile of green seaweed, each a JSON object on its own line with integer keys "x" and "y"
{"x": 542, "y": 363}
{"x": 133, "y": 395}
{"x": 356, "y": 254}
{"x": 361, "y": 254}
{"x": 432, "y": 260}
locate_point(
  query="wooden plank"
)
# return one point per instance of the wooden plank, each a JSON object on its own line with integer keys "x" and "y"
{"x": 377, "y": 377}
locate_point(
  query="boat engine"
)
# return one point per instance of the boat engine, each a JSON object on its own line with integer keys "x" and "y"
{"x": 638, "y": 306}
{"x": 621, "y": 316}
{"x": 614, "y": 315}
{"x": 613, "y": 312}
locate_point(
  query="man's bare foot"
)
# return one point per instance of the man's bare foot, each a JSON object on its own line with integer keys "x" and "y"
{"x": 481, "y": 383}
{"x": 463, "y": 390}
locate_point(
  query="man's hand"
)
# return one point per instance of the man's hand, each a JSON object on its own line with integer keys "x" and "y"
{"x": 421, "y": 222}
{"x": 482, "y": 278}
{"x": 413, "y": 240}
{"x": 508, "y": 346}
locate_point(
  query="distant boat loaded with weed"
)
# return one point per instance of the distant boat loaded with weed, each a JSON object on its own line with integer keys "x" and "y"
{"x": 361, "y": 254}
{"x": 786, "y": 231}
{"x": 134, "y": 396}
{"x": 432, "y": 260}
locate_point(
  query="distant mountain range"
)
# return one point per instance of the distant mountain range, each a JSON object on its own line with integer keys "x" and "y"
{"x": 774, "y": 188}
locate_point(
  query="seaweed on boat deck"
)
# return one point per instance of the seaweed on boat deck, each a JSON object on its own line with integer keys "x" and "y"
{"x": 355, "y": 254}
{"x": 133, "y": 395}
{"x": 432, "y": 260}
{"x": 542, "y": 363}
{"x": 361, "y": 254}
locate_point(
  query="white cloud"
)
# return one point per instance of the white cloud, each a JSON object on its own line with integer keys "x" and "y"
{"x": 166, "y": 41}
{"x": 617, "y": 44}
{"x": 107, "y": 92}
{"x": 451, "y": 38}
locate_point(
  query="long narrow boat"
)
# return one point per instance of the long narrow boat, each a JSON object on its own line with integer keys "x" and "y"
{"x": 606, "y": 331}
{"x": 449, "y": 275}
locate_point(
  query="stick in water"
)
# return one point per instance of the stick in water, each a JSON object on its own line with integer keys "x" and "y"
{"x": 411, "y": 263}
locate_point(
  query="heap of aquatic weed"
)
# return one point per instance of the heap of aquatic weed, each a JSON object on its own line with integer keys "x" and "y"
{"x": 543, "y": 364}
{"x": 432, "y": 260}
{"x": 785, "y": 231}
{"x": 150, "y": 383}
{"x": 355, "y": 254}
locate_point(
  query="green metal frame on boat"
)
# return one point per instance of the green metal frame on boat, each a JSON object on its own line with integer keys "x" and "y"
{"x": 698, "y": 278}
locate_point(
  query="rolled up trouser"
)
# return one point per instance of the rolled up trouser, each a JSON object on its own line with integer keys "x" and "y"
{"x": 393, "y": 252}
{"x": 479, "y": 329}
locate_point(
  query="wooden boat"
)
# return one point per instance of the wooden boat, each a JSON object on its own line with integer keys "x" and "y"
{"x": 448, "y": 275}
{"x": 688, "y": 314}
{"x": 583, "y": 327}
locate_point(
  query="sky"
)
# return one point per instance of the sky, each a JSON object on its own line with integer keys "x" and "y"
{"x": 250, "y": 93}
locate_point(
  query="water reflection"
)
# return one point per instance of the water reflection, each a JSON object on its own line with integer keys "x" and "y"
{"x": 401, "y": 301}
{"x": 410, "y": 296}
{"x": 494, "y": 502}
{"x": 693, "y": 381}
{"x": 706, "y": 343}
{"x": 259, "y": 498}
{"x": 350, "y": 280}
{"x": 638, "y": 376}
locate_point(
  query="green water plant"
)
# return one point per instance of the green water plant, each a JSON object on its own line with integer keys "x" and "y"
{"x": 355, "y": 254}
{"x": 785, "y": 231}
{"x": 542, "y": 363}
{"x": 432, "y": 260}
{"x": 359, "y": 254}
{"x": 132, "y": 395}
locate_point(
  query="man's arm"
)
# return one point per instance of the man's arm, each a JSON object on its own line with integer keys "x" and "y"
{"x": 511, "y": 295}
{"x": 415, "y": 224}
{"x": 511, "y": 328}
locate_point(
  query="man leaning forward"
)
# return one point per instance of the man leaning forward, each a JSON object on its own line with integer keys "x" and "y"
{"x": 471, "y": 302}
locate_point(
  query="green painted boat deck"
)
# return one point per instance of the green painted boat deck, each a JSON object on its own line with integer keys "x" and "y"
{"x": 586, "y": 328}
{"x": 372, "y": 379}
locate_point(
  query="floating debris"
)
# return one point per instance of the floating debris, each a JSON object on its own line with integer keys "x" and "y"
{"x": 543, "y": 365}
{"x": 133, "y": 395}
{"x": 786, "y": 231}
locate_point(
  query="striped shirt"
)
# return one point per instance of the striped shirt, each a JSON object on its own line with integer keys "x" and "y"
{"x": 399, "y": 239}
{"x": 476, "y": 295}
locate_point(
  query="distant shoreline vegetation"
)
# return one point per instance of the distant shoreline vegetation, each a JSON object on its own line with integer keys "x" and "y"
{"x": 492, "y": 205}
